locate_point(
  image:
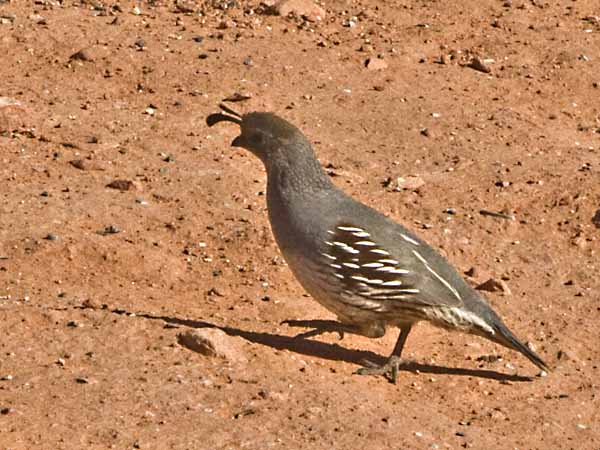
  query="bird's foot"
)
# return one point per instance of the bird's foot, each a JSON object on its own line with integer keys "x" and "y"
{"x": 388, "y": 370}
{"x": 319, "y": 327}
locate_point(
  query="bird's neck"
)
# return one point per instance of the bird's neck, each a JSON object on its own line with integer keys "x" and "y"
{"x": 294, "y": 173}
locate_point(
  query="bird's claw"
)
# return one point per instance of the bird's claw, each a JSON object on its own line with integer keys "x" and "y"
{"x": 388, "y": 370}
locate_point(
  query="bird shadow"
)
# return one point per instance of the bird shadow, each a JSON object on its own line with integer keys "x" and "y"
{"x": 333, "y": 352}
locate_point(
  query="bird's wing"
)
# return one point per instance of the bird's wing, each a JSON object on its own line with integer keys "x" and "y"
{"x": 368, "y": 269}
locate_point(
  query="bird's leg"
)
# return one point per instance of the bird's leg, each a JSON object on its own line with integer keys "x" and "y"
{"x": 390, "y": 368}
{"x": 322, "y": 326}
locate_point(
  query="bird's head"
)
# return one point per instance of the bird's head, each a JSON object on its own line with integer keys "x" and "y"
{"x": 263, "y": 133}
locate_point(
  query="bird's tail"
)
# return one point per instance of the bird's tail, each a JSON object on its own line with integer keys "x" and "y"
{"x": 505, "y": 337}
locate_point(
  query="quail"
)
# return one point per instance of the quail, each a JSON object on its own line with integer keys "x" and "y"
{"x": 367, "y": 269}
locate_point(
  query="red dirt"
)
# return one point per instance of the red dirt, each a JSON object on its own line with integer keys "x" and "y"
{"x": 89, "y": 354}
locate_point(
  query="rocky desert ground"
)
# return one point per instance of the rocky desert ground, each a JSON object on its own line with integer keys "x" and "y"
{"x": 142, "y": 293}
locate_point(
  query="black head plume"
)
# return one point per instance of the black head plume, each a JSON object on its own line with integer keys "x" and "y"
{"x": 228, "y": 115}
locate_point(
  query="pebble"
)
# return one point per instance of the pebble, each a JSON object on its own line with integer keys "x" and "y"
{"x": 494, "y": 285}
{"x": 213, "y": 342}
{"x": 300, "y": 8}
{"x": 567, "y": 355}
{"x": 13, "y": 115}
{"x": 596, "y": 219}
{"x": 109, "y": 229}
{"x": 87, "y": 164}
{"x": 82, "y": 55}
{"x": 479, "y": 65}
{"x": 376, "y": 64}
{"x": 121, "y": 185}
{"x": 409, "y": 182}
{"x": 184, "y": 6}
{"x": 51, "y": 237}
{"x": 140, "y": 44}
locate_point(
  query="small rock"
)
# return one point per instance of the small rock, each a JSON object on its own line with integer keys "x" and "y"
{"x": 498, "y": 415}
{"x": 82, "y": 55}
{"x": 185, "y": 6}
{"x": 489, "y": 358}
{"x": 85, "y": 380}
{"x": 87, "y": 164}
{"x": 479, "y": 65}
{"x": 494, "y": 285}
{"x": 91, "y": 303}
{"x": 376, "y": 64}
{"x": 264, "y": 394}
{"x": 13, "y": 115}
{"x": 300, "y": 8}
{"x": 409, "y": 182}
{"x": 38, "y": 19}
{"x": 567, "y": 355}
{"x": 140, "y": 44}
{"x": 596, "y": 219}
{"x": 213, "y": 342}
{"x": 51, "y": 237}
{"x": 477, "y": 275}
{"x": 237, "y": 97}
{"x": 225, "y": 24}
{"x": 109, "y": 229}
{"x": 6, "y": 18}
{"x": 121, "y": 185}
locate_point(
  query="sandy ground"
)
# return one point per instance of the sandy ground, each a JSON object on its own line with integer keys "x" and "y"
{"x": 97, "y": 282}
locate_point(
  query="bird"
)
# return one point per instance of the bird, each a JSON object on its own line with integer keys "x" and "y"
{"x": 367, "y": 269}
